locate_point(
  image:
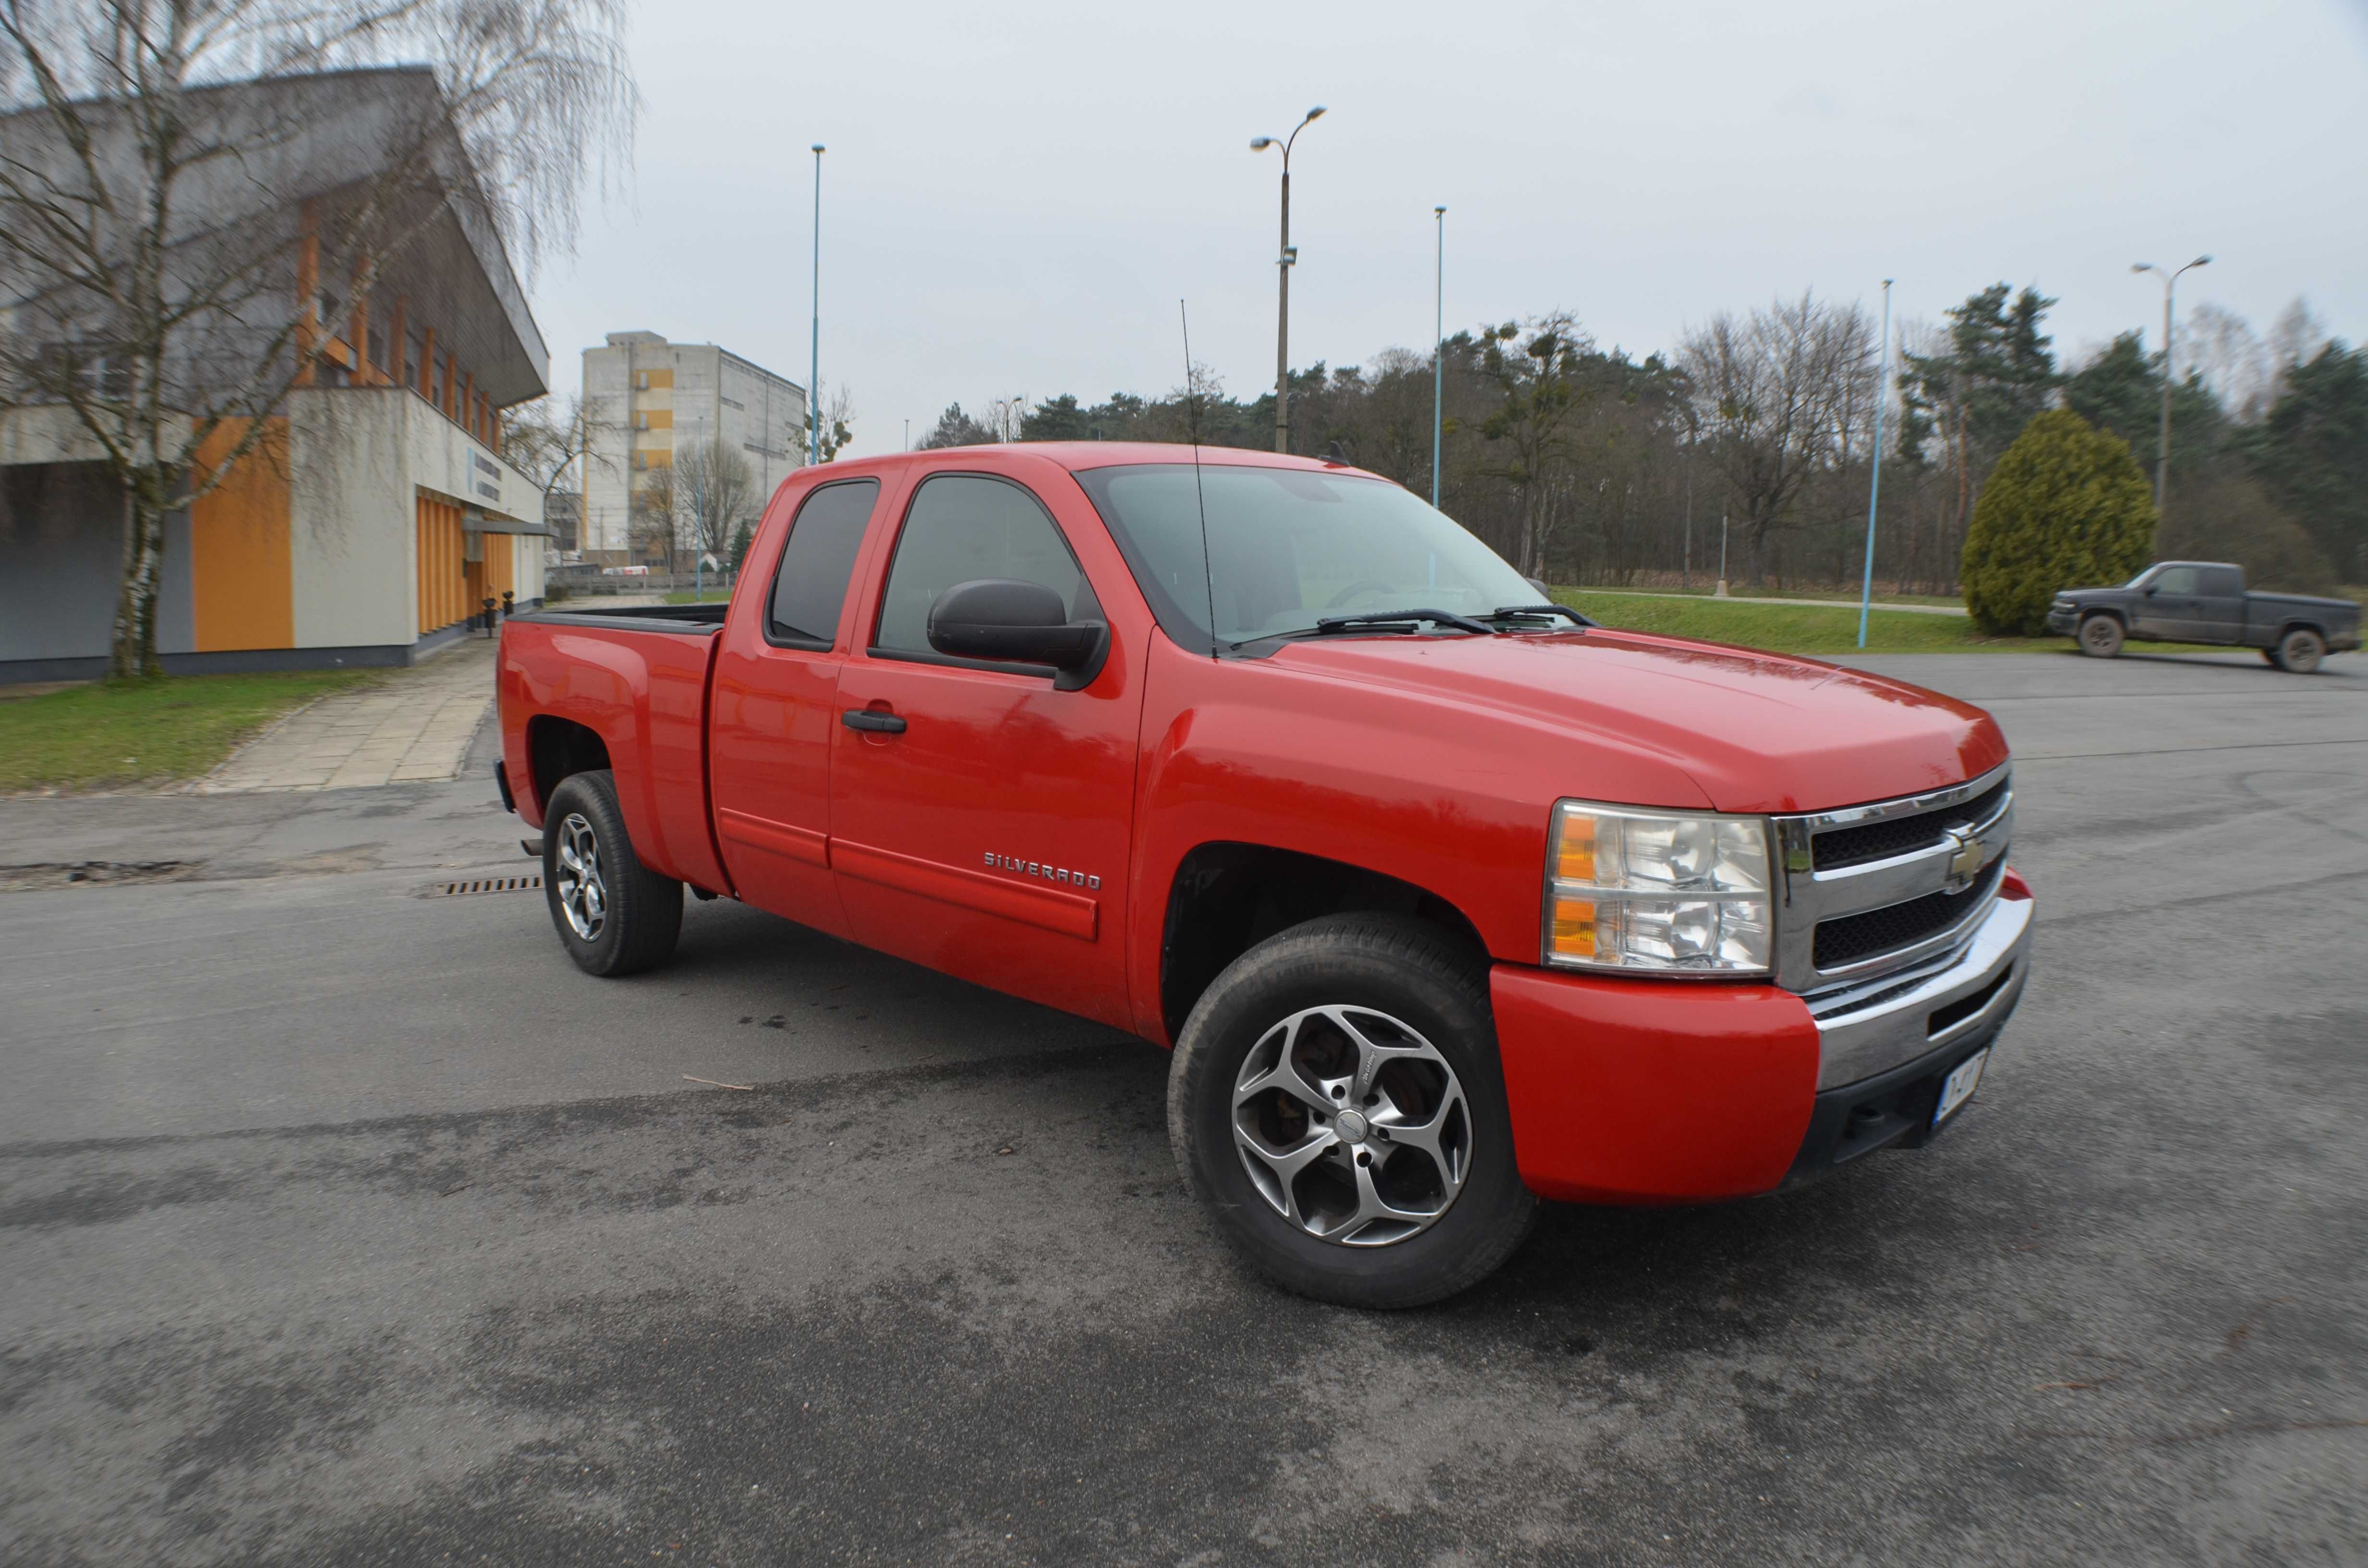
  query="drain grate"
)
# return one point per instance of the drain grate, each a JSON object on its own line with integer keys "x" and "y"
{"x": 490, "y": 884}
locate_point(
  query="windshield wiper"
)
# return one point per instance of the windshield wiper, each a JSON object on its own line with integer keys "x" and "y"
{"x": 1507, "y": 612}
{"x": 1332, "y": 623}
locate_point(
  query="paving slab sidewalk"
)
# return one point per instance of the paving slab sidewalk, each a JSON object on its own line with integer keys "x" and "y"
{"x": 414, "y": 725}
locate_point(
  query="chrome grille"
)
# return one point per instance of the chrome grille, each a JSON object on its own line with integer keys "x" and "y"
{"x": 1868, "y": 889}
{"x": 1899, "y": 836}
{"x": 1850, "y": 937}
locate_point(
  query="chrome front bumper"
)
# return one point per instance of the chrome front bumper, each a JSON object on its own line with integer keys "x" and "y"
{"x": 1876, "y": 1026}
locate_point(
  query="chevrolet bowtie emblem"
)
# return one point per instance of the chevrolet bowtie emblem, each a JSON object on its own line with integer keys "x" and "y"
{"x": 1965, "y": 863}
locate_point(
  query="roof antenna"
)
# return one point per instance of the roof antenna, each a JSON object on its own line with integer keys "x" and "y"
{"x": 1192, "y": 413}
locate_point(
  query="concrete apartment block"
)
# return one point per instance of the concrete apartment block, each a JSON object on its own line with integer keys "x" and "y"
{"x": 648, "y": 399}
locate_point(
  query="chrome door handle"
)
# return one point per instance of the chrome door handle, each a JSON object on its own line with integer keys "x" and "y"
{"x": 867, "y": 719}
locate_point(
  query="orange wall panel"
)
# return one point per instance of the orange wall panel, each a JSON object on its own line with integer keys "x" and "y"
{"x": 501, "y": 565}
{"x": 441, "y": 589}
{"x": 241, "y": 575}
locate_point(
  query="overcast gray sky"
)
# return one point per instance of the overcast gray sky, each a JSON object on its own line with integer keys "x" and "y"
{"x": 1015, "y": 196}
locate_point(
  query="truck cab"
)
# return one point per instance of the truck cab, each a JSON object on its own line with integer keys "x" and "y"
{"x": 1444, "y": 899}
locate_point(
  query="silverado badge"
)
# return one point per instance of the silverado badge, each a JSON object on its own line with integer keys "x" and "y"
{"x": 1965, "y": 861}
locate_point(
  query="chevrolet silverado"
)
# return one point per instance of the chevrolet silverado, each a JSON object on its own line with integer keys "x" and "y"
{"x": 1445, "y": 899}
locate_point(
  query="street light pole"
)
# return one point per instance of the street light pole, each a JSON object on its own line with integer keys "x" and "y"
{"x": 1874, "y": 485}
{"x": 1438, "y": 353}
{"x": 814, "y": 365}
{"x": 1284, "y": 263}
{"x": 2162, "y": 452}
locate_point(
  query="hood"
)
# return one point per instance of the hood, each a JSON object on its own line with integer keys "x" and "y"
{"x": 1756, "y": 731}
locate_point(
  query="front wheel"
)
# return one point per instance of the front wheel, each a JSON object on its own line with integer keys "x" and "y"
{"x": 614, "y": 916}
{"x": 2299, "y": 652}
{"x": 1335, "y": 1101}
{"x": 2100, "y": 637}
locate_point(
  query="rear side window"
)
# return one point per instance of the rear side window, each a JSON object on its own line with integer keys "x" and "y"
{"x": 2221, "y": 582}
{"x": 962, "y": 528}
{"x": 811, "y": 585}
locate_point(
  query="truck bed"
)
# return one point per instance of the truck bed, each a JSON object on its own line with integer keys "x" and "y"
{"x": 2266, "y": 614}
{"x": 634, "y": 679}
{"x": 637, "y": 618}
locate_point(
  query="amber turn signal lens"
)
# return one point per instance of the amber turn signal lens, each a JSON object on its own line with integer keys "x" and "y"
{"x": 1574, "y": 856}
{"x": 1574, "y": 927}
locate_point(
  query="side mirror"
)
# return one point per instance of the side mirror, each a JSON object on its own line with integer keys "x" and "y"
{"x": 1004, "y": 621}
{"x": 2148, "y": 590}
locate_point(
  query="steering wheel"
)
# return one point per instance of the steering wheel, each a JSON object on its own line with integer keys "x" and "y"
{"x": 1341, "y": 599}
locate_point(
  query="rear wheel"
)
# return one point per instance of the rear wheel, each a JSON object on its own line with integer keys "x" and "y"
{"x": 2101, "y": 636}
{"x": 1337, "y": 1102}
{"x": 614, "y": 916}
{"x": 2299, "y": 650}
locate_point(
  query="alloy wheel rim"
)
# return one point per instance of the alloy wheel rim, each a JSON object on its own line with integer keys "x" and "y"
{"x": 583, "y": 894}
{"x": 1351, "y": 1126}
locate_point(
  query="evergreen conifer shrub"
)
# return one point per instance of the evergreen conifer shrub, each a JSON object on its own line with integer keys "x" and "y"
{"x": 2067, "y": 506}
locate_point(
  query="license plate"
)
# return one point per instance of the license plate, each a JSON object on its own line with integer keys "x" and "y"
{"x": 1960, "y": 1087}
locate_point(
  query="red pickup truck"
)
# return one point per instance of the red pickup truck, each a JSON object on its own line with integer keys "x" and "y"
{"x": 1446, "y": 899}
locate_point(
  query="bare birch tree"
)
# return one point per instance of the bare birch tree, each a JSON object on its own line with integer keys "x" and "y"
{"x": 549, "y": 440}
{"x": 714, "y": 492}
{"x": 1780, "y": 391}
{"x": 178, "y": 177}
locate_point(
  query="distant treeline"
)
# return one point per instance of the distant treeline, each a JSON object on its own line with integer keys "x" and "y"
{"x": 1583, "y": 464}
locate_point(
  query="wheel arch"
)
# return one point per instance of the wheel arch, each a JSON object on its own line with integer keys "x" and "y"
{"x": 557, "y": 749}
{"x": 1227, "y": 896}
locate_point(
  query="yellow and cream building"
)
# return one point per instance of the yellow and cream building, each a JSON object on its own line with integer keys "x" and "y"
{"x": 368, "y": 526}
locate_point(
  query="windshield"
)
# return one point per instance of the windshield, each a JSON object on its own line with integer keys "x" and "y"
{"x": 1287, "y": 548}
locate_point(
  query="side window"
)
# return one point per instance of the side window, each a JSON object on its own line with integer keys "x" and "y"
{"x": 811, "y": 585}
{"x": 2175, "y": 580}
{"x": 2222, "y": 583}
{"x": 963, "y": 526}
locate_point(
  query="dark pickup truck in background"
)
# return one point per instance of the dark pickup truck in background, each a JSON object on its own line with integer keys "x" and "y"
{"x": 2203, "y": 601}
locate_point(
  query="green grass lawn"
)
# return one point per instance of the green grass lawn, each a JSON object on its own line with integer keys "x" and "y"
{"x": 100, "y": 736}
{"x": 1811, "y": 629}
{"x": 1702, "y": 587}
{"x": 693, "y": 597}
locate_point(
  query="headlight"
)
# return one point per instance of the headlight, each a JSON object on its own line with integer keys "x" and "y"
{"x": 1641, "y": 890}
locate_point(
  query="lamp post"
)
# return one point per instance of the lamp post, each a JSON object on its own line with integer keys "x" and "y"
{"x": 1438, "y": 353}
{"x": 1874, "y": 485}
{"x": 1282, "y": 299}
{"x": 814, "y": 365}
{"x": 2162, "y": 454}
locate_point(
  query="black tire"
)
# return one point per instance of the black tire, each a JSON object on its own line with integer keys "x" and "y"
{"x": 2101, "y": 636}
{"x": 639, "y": 913}
{"x": 2299, "y": 650}
{"x": 1404, "y": 972}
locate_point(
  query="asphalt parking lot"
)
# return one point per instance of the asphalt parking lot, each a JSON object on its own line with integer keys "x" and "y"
{"x": 346, "y": 1224}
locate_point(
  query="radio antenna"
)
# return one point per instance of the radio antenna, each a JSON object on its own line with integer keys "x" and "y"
{"x": 1192, "y": 414}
